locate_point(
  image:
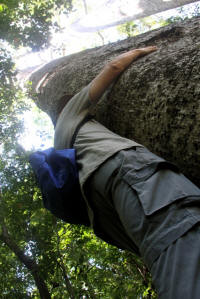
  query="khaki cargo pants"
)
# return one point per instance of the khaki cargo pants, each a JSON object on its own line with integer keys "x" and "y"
{"x": 143, "y": 204}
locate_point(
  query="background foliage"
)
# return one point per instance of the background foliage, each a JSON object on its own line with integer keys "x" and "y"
{"x": 38, "y": 252}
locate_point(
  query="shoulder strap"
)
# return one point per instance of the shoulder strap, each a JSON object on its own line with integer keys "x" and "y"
{"x": 87, "y": 118}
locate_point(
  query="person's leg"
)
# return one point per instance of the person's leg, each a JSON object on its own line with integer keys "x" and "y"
{"x": 127, "y": 190}
{"x": 169, "y": 237}
{"x": 176, "y": 273}
{"x": 107, "y": 224}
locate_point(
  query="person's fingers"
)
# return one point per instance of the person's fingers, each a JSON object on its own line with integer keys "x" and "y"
{"x": 144, "y": 51}
{"x": 149, "y": 49}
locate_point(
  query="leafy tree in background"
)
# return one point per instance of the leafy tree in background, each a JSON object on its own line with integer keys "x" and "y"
{"x": 133, "y": 28}
{"x": 40, "y": 256}
{"x": 29, "y": 23}
{"x": 22, "y": 24}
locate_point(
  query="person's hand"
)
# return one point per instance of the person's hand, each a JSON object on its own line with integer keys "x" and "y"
{"x": 145, "y": 51}
{"x": 114, "y": 68}
{"x": 126, "y": 58}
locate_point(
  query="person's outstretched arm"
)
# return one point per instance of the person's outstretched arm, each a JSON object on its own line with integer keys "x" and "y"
{"x": 113, "y": 69}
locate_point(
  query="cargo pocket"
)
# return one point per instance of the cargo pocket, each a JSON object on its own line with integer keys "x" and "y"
{"x": 157, "y": 182}
{"x": 161, "y": 189}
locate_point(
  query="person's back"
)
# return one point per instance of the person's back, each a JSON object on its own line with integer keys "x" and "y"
{"x": 94, "y": 143}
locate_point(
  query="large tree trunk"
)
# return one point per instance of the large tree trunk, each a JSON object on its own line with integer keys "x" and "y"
{"x": 155, "y": 102}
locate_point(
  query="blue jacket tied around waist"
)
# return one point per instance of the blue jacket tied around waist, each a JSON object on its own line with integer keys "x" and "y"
{"x": 57, "y": 176}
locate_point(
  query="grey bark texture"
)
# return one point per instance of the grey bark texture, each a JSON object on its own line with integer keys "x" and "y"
{"x": 156, "y": 101}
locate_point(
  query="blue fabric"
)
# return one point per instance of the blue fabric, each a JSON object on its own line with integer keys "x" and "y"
{"x": 60, "y": 166}
{"x": 57, "y": 176}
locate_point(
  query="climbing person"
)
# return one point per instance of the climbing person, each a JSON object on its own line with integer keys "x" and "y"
{"x": 135, "y": 200}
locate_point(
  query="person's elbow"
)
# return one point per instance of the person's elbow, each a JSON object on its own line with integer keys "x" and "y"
{"x": 115, "y": 67}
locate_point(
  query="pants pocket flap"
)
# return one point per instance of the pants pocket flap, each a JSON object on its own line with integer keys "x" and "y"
{"x": 163, "y": 188}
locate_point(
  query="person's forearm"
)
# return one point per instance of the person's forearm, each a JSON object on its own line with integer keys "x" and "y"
{"x": 113, "y": 69}
{"x": 103, "y": 81}
{"x": 122, "y": 61}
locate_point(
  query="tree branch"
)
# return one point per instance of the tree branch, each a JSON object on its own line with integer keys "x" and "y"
{"x": 30, "y": 264}
{"x": 68, "y": 284}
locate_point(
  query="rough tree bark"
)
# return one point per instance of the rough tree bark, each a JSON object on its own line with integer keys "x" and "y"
{"x": 156, "y": 101}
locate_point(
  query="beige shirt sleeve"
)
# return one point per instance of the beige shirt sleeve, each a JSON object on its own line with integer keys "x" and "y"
{"x": 73, "y": 113}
